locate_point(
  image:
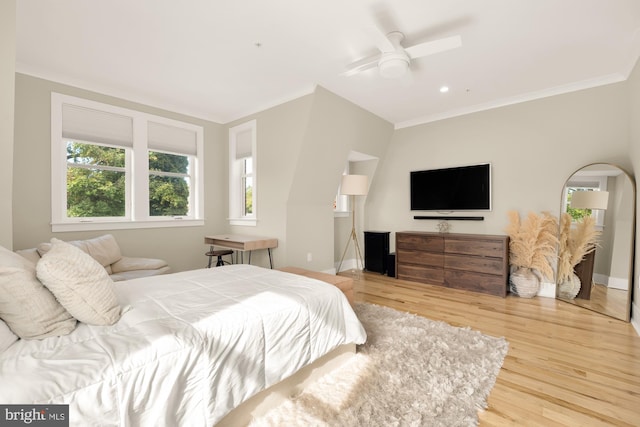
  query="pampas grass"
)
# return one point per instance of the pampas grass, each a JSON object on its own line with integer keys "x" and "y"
{"x": 565, "y": 269}
{"x": 533, "y": 241}
{"x": 575, "y": 244}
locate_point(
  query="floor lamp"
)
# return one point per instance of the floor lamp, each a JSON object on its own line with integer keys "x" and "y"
{"x": 353, "y": 185}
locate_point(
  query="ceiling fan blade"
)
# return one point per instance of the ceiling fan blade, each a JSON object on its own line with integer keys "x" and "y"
{"x": 436, "y": 46}
{"x": 361, "y": 65}
{"x": 385, "y": 22}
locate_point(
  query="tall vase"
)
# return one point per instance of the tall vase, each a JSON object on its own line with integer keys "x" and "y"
{"x": 524, "y": 282}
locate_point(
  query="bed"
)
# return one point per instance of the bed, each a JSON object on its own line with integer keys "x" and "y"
{"x": 189, "y": 347}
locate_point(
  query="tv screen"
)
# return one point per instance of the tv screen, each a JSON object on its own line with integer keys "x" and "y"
{"x": 452, "y": 189}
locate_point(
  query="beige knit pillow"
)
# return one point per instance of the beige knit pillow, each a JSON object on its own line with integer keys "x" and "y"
{"x": 80, "y": 283}
{"x": 27, "y": 307}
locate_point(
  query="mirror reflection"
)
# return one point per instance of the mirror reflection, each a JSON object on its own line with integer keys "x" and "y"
{"x": 597, "y": 240}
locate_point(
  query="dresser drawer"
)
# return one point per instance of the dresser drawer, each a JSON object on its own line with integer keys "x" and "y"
{"x": 477, "y": 282}
{"x": 428, "y": 275}
{"x": 419, "y": 242}
{"x": 420, "y": 258}
{"x": 488, "y": 248}
{"x": 475, "y": 264}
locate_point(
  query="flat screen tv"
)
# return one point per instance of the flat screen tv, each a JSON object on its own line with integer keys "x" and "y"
{"x": 463, "y": 188}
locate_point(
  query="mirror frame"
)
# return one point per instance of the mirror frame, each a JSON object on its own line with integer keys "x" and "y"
{"x": 631, "y": 179}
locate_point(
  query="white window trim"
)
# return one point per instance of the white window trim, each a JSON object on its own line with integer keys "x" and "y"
{"x": 235, "y": 189}
{"x": 343, "y": 202}
{"x": 138, "y": 206}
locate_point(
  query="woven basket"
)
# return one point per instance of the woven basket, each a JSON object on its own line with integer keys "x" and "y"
{"x": 524, "y": 282}
{"x": 570, "y": 287}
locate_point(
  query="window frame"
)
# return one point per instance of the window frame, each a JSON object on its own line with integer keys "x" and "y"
{"x": 342, "y": 202}
{"x": 136, "y": 172}
{"x": 237, "y": 175}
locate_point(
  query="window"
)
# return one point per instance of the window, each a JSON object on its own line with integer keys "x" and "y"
{"x": 341, "y": 202}
{"x": 584, "y": 183}
{"x": 242, "y": 174}
{"x": 118, "y": 168}
{"x": 96, "y": 180}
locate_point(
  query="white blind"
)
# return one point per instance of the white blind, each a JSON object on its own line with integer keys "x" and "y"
{"x": 86, "y": 124}
{"x": 244, "y": 144}
{"x": 171, "y": 138}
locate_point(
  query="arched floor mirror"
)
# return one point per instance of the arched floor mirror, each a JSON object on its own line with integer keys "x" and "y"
{"x": 606, "y": 193}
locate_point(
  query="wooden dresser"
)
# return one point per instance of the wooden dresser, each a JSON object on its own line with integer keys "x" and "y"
{"x": 474, "y": 262}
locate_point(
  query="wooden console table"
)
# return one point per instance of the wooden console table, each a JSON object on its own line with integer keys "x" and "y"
{"x": 474, "y": 262}
{"x": 241, "y": 242}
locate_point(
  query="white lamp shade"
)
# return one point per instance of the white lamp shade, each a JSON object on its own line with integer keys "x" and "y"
{"x": 589, "y": 199}
{"x": 354, "y": 185}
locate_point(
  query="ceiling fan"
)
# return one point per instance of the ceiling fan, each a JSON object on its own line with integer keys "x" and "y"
{"x": 393, "y": 60}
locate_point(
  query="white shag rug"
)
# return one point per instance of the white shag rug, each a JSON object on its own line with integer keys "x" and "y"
{"x": 412, "y": 371}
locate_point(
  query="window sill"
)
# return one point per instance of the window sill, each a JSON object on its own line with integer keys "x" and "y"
{"x": 250, "y": 222}
{"x": 125, "y": 225}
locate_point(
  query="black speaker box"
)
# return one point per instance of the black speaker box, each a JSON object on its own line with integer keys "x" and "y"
{"x": 391, "y": 264}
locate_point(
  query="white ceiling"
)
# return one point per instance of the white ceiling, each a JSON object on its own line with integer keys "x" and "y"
{"x": 201, "y": 57}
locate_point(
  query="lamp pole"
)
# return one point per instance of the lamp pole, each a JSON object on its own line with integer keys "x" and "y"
{"x": 352, "y": 237}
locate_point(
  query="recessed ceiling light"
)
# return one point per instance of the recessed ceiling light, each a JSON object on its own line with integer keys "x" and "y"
{"x": 444, "y": 89}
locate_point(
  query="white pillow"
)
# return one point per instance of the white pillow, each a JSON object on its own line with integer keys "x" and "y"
{"x": 28, "y": 308}
{"x": 80, "y": 283}
{"x": 7, "y": 337}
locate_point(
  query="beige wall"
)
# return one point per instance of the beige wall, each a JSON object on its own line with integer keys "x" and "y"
{"x": 533, "y": 147}
{"x": 182, "y": 247}
{"x": 303, "y": 147}
{"x": 279, "y": 131}
{"x": 336, "y": 127}
{"x": 7, "y": 77}
{"x": 613, "y": 260}
{"x": 622, "y": 239}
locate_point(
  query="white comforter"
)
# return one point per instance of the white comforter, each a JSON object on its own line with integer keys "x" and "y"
{"x": 190, "y": 347}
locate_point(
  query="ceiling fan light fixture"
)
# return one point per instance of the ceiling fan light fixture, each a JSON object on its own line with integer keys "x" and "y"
{"x": 393, "y": 65}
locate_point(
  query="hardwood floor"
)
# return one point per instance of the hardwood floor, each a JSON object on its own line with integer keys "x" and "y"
{"x": 566, "y": 366}
{"x": 605, "y": 300}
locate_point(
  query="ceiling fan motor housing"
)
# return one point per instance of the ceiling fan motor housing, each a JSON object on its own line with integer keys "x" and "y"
{"x": 393, "y": 64}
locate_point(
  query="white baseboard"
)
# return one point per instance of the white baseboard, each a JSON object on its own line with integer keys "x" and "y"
{"x": 618, "y": 283}
{"x": 635, "y": 317}
{"x": 603, "y": 279}
{"x": 348, "y": 264}
{"x": 611, "y": 282}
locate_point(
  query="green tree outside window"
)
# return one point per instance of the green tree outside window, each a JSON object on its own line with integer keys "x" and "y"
{"x": 96, "y": 184}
